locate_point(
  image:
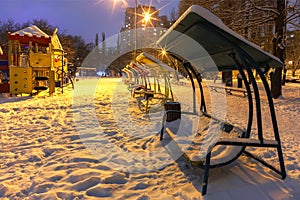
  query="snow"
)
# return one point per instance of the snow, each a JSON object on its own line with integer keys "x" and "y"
{"x": 31, "y": 31}
{"x": 47, "y": 149}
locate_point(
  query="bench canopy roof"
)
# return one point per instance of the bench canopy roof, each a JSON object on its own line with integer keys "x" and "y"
{"x": 153, "y": 63}
{"x": 213, "y": 36}
{"x": 138, "y": 68}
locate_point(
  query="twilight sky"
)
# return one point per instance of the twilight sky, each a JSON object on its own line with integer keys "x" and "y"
{"x": 77, "y": 17}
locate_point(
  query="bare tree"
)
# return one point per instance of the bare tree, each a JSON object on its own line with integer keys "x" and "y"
{"x": 263, "y": 22}
{"x": 173, "y": 15}
{"x": 5, "y": 27}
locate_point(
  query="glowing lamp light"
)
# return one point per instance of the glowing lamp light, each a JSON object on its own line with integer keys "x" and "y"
{"x": 147, "y": 17}
{"x": 163, "y": 52}
{"x": 124, "y": 3}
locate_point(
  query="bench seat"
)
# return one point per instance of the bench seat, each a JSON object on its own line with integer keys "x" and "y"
{"x": 228, "y": 89}
{"x": 211, "y": 132}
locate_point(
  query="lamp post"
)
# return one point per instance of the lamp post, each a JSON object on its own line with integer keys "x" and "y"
{"x": 135, "y": 30}
{"x": 147, "y": 16}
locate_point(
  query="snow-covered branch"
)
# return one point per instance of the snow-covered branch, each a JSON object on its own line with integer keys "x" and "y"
{"x": 265, "y": 8}
{"x": 296, "y": 25}
{"x": 292, "y": 17}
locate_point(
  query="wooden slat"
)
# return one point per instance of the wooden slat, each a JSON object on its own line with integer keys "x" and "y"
{"x": 247, "y": 142}
{"x": 196, "y": 162}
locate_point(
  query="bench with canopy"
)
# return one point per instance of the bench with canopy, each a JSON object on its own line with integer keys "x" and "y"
{"x": 205, "y": 46}
{"x": 141, "y": 83}
{"x": 153, "y": 73}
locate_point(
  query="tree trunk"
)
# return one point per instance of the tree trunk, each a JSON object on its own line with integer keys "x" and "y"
{"x": 279, "y": 49}
{"x": 293, "y": 72}
{"x": 284, "y": 75}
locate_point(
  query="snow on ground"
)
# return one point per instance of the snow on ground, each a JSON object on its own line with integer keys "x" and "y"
{"x": 68, "y": 147}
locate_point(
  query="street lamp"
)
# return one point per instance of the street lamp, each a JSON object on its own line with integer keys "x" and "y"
{"x": 135, "y": 21}
{"x": 135, "y": 30}
{"x": 146, "y": 17}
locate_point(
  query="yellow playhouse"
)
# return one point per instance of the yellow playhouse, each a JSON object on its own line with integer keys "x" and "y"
{"x": 36, "y": 61}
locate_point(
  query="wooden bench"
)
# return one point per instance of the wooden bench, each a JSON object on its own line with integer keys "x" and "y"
{"x": 207, "y": 148}
{"x": 228, "y": 89}
{"x": 292, "y": 79}
{"x": 136, "y": 90}
{"x": 195, "y": 146}
{"x": 149, "y": 98}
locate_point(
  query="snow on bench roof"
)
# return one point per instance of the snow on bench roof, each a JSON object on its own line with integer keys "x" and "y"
{"x": 140, "y": 68}
{"x": 153, "y": 63}
{"x": 210, "y": 32}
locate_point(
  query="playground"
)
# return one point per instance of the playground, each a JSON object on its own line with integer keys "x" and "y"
{"x": 34, "y": 62}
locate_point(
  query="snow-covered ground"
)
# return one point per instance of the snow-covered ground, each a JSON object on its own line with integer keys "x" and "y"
{"x": 68, "y": 147}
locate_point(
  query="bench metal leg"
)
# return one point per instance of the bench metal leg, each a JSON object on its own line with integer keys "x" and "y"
{"x": 281, "y": 172}
{"x": 228, "y": 91}
{"x": 206, "y": 174}
{"x": 281, "y": 162}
